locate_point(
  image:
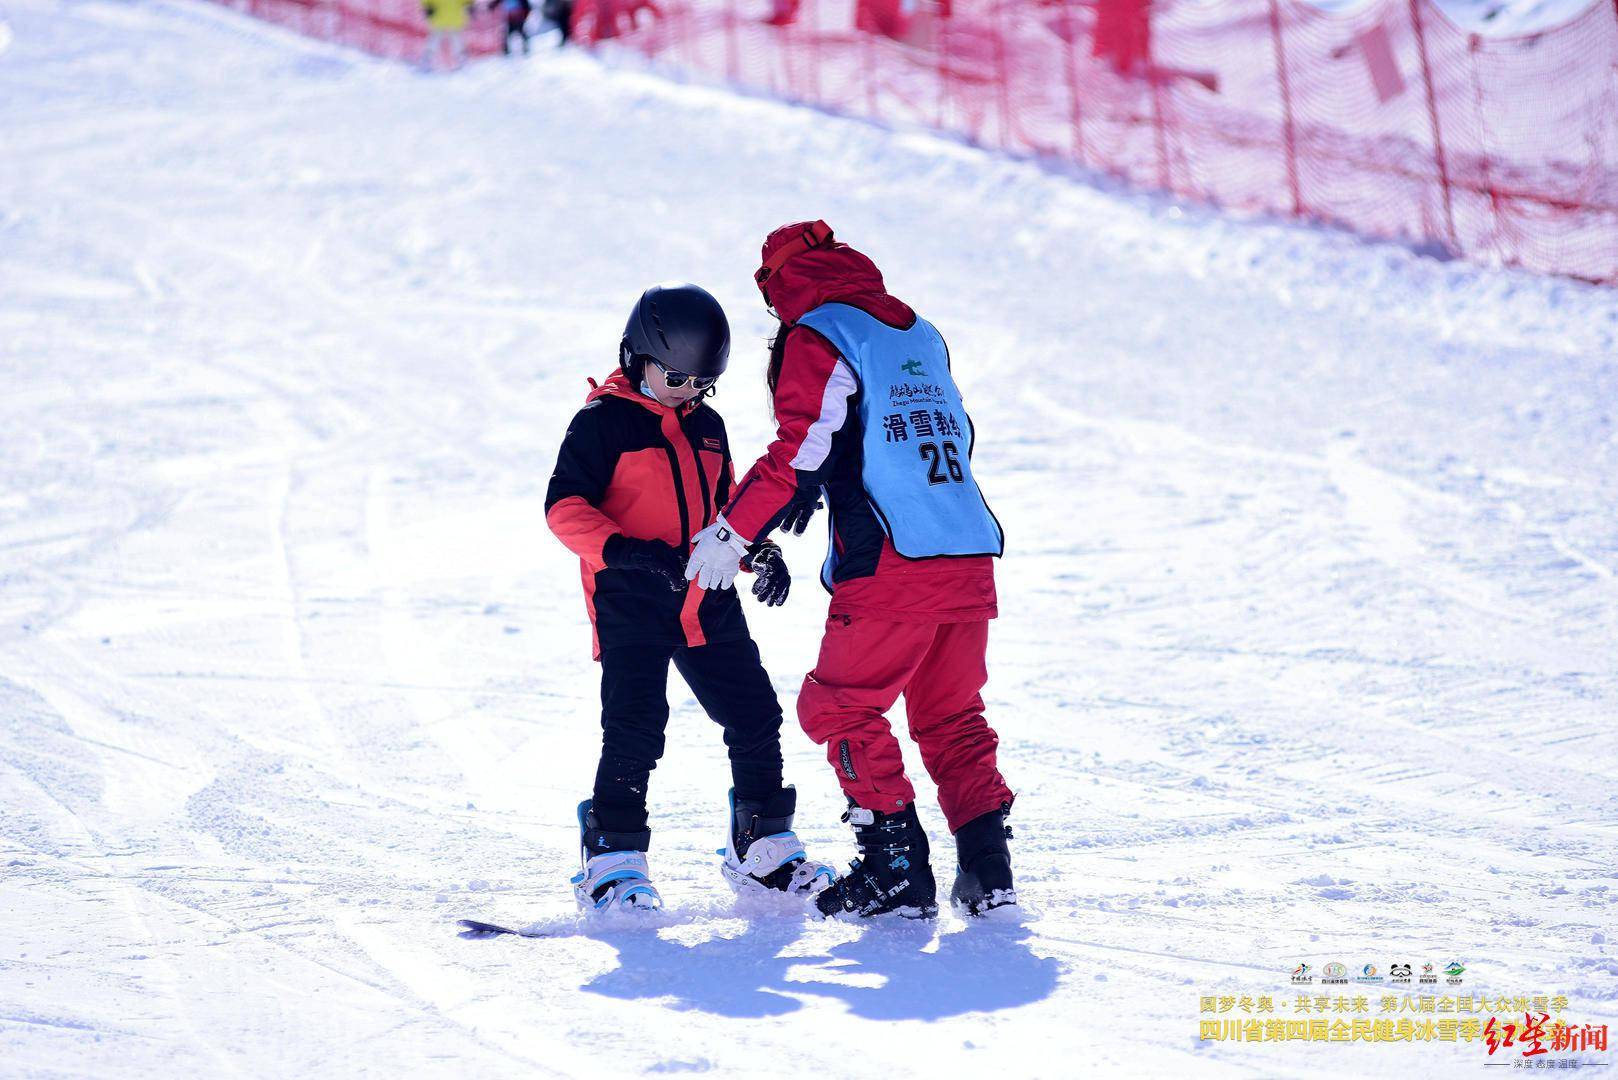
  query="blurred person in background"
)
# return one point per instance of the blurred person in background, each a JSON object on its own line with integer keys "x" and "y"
{"x": 516, "y": 13}
{"x": 446, "y": 25}
{"x": 559, "y": 13}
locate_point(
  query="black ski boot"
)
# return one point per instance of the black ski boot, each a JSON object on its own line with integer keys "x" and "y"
{"x": 983, "y": 870}
{"x": 892, "y": 873}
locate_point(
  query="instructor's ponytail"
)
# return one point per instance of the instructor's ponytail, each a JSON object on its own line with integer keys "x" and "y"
{"x": 778, "y": 348}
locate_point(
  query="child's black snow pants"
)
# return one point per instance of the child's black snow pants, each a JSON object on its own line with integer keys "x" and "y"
{"x": 730, "y": 683}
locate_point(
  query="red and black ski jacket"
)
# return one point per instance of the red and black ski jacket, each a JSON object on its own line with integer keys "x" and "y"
{"x": 817, "y": 447}
{"x": 634, "y": 466}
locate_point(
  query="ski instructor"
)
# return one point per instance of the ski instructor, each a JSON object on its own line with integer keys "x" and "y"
{"x": 870, "y": 419}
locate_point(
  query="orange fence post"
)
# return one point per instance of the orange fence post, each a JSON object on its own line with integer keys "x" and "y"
{"x": 1070, "y": 66}
{"x": 1432, "y": 115}
{"x": 1002, "y": 78}
{"x": 1484, "y": 153}
{"x": 1165, "y": 171}
{"x": 814, "y": 54}
{"x": 732, "y": 51}
{"x": 868, "y": 69}
{"x": 1289, "y": 128}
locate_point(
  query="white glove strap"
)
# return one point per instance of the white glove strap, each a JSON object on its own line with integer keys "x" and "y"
{"x": 729, "y": 537}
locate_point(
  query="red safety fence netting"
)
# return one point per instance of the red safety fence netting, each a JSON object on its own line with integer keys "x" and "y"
{"x": 1385, "y": 118}
{"x": 395, "y": 29}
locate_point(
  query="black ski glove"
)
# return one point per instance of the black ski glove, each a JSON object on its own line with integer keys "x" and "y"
{"x": 800, "y": 510}
{"x": 772, "y": 579}
{"x": 622, "y": 552}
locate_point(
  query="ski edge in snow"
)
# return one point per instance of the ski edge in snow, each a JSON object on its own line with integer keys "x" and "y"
{"x": 477, "y": 930}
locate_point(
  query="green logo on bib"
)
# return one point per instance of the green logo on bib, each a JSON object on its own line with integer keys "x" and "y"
{"x": 912, "y": 367}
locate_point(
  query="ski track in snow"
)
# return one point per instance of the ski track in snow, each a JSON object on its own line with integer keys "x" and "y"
{"x": 1308, "y": 616}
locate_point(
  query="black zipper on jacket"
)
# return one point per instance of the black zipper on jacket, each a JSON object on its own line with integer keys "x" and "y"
{"x": 702, "y": 478}
{"x": 679, "y": 495}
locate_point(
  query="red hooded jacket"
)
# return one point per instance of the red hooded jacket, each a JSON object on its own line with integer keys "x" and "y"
{"x": 817, "y": 443}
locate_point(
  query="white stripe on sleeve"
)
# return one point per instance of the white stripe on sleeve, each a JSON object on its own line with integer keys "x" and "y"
{"x": 833, "y": 412}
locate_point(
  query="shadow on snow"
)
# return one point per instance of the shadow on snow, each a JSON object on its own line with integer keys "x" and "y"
{"x": 889, "y": 972}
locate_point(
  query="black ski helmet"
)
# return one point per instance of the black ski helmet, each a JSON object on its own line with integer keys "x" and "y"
{"x": 682, "y": 327}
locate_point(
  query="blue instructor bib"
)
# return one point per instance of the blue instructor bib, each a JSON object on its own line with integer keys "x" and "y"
{"x": 917, "y": 444}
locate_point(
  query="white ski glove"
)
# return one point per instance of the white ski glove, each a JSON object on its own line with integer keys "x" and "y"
{"x": 717, "y": 557}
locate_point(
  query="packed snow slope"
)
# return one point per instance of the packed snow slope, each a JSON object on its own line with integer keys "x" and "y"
{"x": 1309, "y": 610}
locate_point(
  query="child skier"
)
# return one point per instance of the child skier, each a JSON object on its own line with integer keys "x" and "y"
{"x": 644, "y": 466}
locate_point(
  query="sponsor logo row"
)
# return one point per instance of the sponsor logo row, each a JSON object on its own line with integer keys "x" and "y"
{"x": 1397, "y": 974}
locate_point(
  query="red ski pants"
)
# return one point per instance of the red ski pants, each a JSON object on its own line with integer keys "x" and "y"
{"x": 940, "y": 668}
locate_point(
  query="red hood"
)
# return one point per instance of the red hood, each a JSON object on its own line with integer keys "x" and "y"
{"x": 617, "y": 385}
{"x": 833, "y": 271}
